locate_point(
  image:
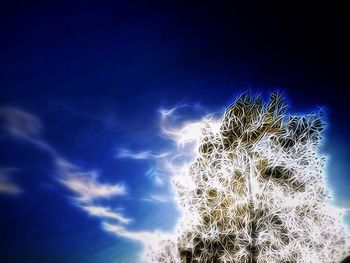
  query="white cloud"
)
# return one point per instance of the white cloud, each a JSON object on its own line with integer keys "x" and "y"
{"x": 84, "y": 184}
{"x": 154, "y": 242}
{"x": 105, "y": 212}
{"x": 128, "y": 154}
{"x": 20, "y": 123}
{"x": 156, "y": 198}
{"x": 141, "y": 236}
{"x": 7, "y": 186}
{"x": 24, "y": 126}
{"x": 157, "y": 172}
{"x": 124, "y": 153}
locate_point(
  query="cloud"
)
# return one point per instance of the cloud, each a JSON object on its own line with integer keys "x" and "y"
{"x": 154, "y": 242}
{"x": 142, "y": 236}
{"x": 105, "y": 212}
{"x": 184, "y": 134}
{"x": 24, "y": 126}
{"x": 156, "y": 198}
{"x": 7, "y": 186}
{"x": 188, "y": 133}
{"x": 157, "y": 172}
{"x": 124, "y": 153}
{"x": 20, "y": 123}
{"x": 84, "y": 184}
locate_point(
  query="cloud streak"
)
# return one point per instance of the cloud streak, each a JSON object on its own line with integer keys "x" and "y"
{"x": 7, "y": 186}
{"x": 145, "y": 237}
{"x": 158, "y": 171}
{"x": 85, "y": 184}
{"x": 20, "y": 124}
{"x": 156, "y": 198}
{"x": 105, "y": 212}
{"x": 184, "y": 136}
{"x": 24, "y": 126}
{"x": 143, "y": 155}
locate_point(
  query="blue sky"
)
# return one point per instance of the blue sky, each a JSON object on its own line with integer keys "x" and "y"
{"x": 82, "y": 89}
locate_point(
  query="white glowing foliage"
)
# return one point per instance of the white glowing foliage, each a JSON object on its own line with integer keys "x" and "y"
{"x": 255, "y": 192}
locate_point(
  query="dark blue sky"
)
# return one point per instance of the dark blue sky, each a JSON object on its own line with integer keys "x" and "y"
{"x": 95, "y": 77}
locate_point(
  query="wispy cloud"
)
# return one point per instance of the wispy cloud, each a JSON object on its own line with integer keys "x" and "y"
{"x": 142, "y": 236}
{"x": 105, "y": 212}
{"x": 84, "y": 184}
{"x": 125, "y": 153}
{"x": 7, "y": 186}
{"x": 156, "y": 198}
{"x": 153, "y": 242}
{"x": 20, "y": 123}
{"x": 185, "y": 136}
{"x": 24, "y": 126}
{"x": 157, "y": 171}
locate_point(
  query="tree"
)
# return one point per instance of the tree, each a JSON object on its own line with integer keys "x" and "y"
{"x": 256, "y": 191}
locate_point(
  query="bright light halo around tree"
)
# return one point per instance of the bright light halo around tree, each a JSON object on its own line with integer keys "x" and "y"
{"x": 255, "y": 191}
